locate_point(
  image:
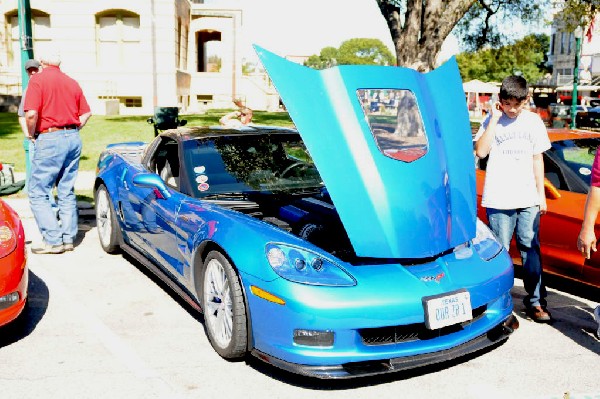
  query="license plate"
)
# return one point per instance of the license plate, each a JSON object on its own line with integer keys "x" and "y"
{"x": 447, "y": 309}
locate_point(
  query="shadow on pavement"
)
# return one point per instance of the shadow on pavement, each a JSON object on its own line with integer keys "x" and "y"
{"x": 571, "y": 317}
{"x": 34, "y": 311}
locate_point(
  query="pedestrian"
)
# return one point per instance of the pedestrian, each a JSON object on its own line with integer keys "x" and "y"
{"x": 515, "y": 138}
{"x": 31, "y": 67}
{"x": 586, "y": 242}
{"x": 55, "y": 111}
{"x": 239, "y": 118}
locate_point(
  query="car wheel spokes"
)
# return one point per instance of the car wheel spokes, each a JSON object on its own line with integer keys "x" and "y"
{"x": 218, "y": 313}
{"x": 103, "y": 217}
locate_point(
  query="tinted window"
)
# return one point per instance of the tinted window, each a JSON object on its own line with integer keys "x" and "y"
{"x": 249, "y": 163}
{"x": 577, "y": 155}
{"x": 395, "y": 122}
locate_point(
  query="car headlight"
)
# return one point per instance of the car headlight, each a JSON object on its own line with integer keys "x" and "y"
{"x": 485, "y": 242}
{"x": 8, "y": 240}
{"x": 303, "y": 266}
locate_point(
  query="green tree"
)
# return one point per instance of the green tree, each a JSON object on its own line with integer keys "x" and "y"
{"x": 364, "y": 52}
{"x": 352, "y": 52}
{"x": 481, "y": 26}
{"x": 526, "y": 57}
{"x": 419, "y": 27}
{"x": 326, "y": 59}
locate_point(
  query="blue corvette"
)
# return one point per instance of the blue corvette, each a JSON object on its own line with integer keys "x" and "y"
{"x": 347, "y": 247}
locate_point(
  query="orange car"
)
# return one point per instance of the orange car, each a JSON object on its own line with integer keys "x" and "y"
{"x": 568, "y": 166}
{"x": 13, "y": 265}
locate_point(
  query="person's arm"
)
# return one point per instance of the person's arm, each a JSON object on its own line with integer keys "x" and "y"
{"x": 24, "y": 128}
{"x": 586, "y": 242}
{"x": 538, "y": 173}
{"x": 31, "y": 118}
{"x": 230, "y": 116}
{"x": 83, "y": 119}
{"x": 484, "y": 143}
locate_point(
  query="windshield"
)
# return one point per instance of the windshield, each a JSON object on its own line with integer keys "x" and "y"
{"x": 246, "y": 164}
{"x": 577, "y": 155}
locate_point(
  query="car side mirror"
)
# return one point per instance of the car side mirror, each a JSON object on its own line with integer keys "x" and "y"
{"x": 551, "y": 191}
{"x": 150, "y": 120}
{"x": 153, "y": 181}
{"x": 182, "y": 122}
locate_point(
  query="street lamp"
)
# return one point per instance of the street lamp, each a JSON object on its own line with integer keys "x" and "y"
{"x": 578, "y": 34}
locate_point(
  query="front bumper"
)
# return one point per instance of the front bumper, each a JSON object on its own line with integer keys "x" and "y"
{"x": 366, "y": 368}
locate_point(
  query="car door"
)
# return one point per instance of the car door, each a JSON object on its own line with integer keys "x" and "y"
{"x": 560, "y": 227}
{"x": 156, "y": 230}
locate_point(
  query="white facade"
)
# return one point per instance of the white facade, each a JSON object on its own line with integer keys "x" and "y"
{"x": 133, "y": 56}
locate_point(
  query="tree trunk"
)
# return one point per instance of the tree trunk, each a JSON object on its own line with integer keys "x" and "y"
{"x": 427, "y": 23}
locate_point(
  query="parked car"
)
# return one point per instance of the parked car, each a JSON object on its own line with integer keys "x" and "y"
{"x": 13, "y": 265}
{"x": 568, "y": 166}
{"x": 589, "y": 119}
{"x": 348, "y": 247}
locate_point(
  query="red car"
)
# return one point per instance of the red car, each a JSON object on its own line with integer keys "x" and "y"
{"x": 13, "y": 265}
{"x": 568, "y": 166}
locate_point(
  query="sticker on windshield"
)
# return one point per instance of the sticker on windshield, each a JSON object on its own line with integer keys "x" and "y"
{"x": 199, "y": 170}
{"x": 203, "y": 186}
{"x": 585, "y": 171}
{"x": 201, "y": 179}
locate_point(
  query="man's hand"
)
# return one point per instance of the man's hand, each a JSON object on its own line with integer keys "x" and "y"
{"x": 586, "y": 243}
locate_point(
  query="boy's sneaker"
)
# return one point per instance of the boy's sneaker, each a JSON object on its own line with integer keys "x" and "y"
{"x": 48, "y": 249}
{"x": 597, "y": 318}
{"x": 68, "y": 246}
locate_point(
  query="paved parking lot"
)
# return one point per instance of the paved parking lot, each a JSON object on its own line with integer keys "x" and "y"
{"x": 100, "y": 326}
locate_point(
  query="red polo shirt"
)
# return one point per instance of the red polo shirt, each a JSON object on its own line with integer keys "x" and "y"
{"x": 57, "y": 98}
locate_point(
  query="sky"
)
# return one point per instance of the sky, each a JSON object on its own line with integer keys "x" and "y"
{"x": 304, "y": 27}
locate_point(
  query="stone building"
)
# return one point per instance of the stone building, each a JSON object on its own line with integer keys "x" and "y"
{"x": 562, "y": 55}
{"x": 133, "y": 56}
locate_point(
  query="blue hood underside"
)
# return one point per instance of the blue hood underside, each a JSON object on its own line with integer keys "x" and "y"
{"x": 390, "y": 208}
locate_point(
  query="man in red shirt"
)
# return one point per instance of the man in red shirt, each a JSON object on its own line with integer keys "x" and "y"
{"x": 55, "y": 111}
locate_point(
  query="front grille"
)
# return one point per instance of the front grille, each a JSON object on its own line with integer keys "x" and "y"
{"x": 412, "y": 332}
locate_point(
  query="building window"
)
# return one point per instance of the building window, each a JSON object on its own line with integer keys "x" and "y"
{"x": 208, "y": 45}
{"x": 128, "y": 102}
{"x": 562, "y": 42}
{"x": 181, "y": 45}
{"x": 117, "y": 38}
{"x": 571, "y": 41}
{"x": 40, "y": 34}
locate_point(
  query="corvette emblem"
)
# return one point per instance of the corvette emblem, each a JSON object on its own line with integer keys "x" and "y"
{"x": 436, "y": 278}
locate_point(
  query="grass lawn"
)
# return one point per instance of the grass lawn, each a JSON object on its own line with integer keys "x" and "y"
{"x": 103, "y": 130}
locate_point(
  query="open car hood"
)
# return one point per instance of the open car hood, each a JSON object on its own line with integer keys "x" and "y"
{"x": 402, "y": 183}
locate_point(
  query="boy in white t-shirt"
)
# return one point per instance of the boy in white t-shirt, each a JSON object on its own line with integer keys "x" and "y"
{"x": 513, "y": 195}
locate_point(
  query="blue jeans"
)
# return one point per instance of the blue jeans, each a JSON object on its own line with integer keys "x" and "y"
{"x": 527, "y": 223}
{"x": 55, "y": 162}
{"x": 31, "y": 150}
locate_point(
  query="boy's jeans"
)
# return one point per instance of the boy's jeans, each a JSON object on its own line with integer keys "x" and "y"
{"x": 55, "y": 161}
{"x": 527, "y": 222}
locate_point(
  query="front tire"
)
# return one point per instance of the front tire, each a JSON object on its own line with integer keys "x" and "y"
{"x": 106, "y": 221}
{"x": 224, "y": 308}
